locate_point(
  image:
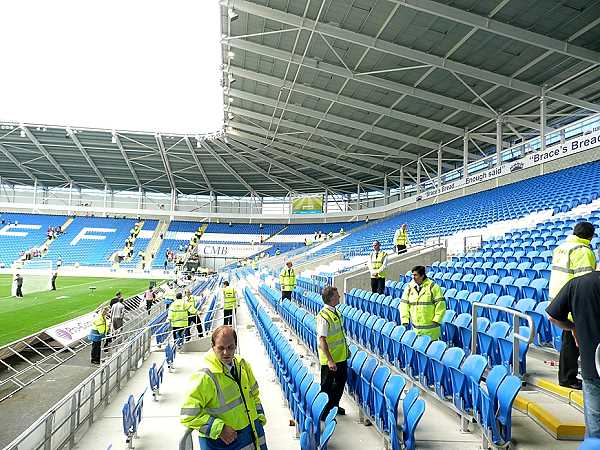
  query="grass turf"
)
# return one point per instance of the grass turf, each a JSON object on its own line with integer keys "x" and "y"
{"x": 40, "y": 310}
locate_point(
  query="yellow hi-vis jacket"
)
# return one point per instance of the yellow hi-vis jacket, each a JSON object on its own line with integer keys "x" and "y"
{"x": 376, "y": 259}
{"x": 336, "y": 339}
{"x": 217, "y": 399}
{"x": 178, "y": 313}
{"x": 424, "y": 309}
{"x": 229, "y": 298}
{"x": 190, "y": 303}
{"x": 287, "y": 279}
{"x": 401, "y": 237}
{"x": 570, "y": 259}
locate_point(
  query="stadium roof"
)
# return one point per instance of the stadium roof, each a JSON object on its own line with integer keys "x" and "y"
{"x": 332, "y": 93}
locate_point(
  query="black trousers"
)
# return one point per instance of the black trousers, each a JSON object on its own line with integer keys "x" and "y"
{"x": 377, "y": 285}
{"x": 19, "y": 292}
{"x": 568, "y": 365}
{"x": 400, "y": 249}
{"x": 191, "y": 321}
{"x": 332, "y": 383}
{"x": 96, "y": 347}
{"x": 178, "y": 335}
{"x": 53, "y": 285}
{"x": 286, "y": 294}
{"x": 228, "y": 317}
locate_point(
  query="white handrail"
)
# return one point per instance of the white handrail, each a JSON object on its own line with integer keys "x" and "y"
{"x": 516, "y": 315}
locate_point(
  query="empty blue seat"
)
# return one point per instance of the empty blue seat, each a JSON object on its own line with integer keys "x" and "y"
{"x": 487, "y": 341}
{"x": 507, "y": 392}
{"x": 435, "y": 351}
{"x": 379, "y": 381}
{"x": 452, "y": 357}
{"x": 419, "y": 345}
{"x": 506, "y": 350}
{"x": 413, "y": 418}
{"x": 464, "y": 379}
{"x": 393, "y": 392}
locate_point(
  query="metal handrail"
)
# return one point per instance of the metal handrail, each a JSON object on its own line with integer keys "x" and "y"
{"x": 516, "y": 315}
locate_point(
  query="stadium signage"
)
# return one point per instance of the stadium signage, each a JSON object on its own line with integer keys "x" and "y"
{"x": 8, "y": 230}
{"x": 581, "y": 143}
{"x": 85, "y": 233}
{"x": 229, "y": 251}
{"x": 71, "y": 331}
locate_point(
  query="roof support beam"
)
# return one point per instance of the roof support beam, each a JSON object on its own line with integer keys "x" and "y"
{"x": 85, "y": 154}
{"x": 227, "y": 167}
{"x": 197, "y": 161}
{"x": 254, "y": 167}
{"x": 17, "y": 163}
{"x": 326, "y": 134}
{"x": 349, "y": 101}
{"x": 406, "y": 52}
{"x": 44, "y": 152}
{"x": 375, "y": 81}
{"x": 165, "y": 160}
{"x": 501, "y": 29}
{"x": 288, "y": 154}
{"x": 341, "y": 121}
{"x": 127, "y": 161}
{"x": 321, "y": 151}
{"x": 303, "y": 151}
{"x": 287, "y": 168}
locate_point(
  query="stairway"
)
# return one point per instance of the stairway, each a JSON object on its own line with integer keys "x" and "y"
{"x": 155, "y": 243}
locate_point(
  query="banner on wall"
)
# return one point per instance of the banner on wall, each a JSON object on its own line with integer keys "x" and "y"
{"x": 312, "y": 204}
{"x": 71, "y": 331}
{"x": 229, "y": 251}
{"x": 576, "y": 145}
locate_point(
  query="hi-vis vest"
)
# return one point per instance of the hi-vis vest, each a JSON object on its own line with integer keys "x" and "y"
{"x": 287, "y": 279}
{"x": 571, "y": 259}
{"x": 191, "y": 305}
{"x": 336, "y": 339}
{"x": 229, "y": 298}
{"x": 377, "y": 262}
{"x": 178, "y": 313}
{"x": 401, "y": 237}
{"x": 423, "y": 308}
{"x": 99, "y": 328}
{"x": 218, "y": 400}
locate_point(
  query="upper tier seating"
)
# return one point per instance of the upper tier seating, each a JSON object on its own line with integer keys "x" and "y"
{"x": 554, "y": 191}
{"x": 21, "y": 232}
{"x": 90, "y": 241}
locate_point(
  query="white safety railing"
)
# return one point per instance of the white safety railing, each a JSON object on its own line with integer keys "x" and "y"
{"x": 66, "y": 421}
{"x": 598, "y": 359}
{"x": 516, "y": 323}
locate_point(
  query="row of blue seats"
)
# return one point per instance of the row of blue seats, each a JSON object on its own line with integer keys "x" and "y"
{"x": 379, "y": 401}
{"x": 300, "y": 389}
{"x": 132, "y": 416}
{"x": 434, "y": 364}
{"x": 310, "y": 284}
{"x": 516, "y": 269}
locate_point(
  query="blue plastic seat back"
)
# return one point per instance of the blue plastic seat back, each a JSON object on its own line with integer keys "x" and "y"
{"x": 507, "y": 392}
{"x": 414, "y": 417}
{"x": 327, "y": 434}
{"x": 317, "y": 409}
{"x": 590, "y": 444}
{"x": 453, "y": 357}
{"x": 395, "y": 338}
{"x": 355, "y": 369}
{"x": 380, "y": 378}
{"x": 366, "y": 374}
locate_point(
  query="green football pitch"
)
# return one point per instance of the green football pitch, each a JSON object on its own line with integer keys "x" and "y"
{"x": 72, "y": 298}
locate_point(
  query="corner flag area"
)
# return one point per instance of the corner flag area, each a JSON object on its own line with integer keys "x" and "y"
{"x": 20, "y": 317}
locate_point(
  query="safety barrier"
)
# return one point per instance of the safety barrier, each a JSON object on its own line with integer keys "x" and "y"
{"x": 75, "y": 413}
{"x": 517, "y": 336}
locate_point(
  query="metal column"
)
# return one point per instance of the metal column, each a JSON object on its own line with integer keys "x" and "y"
{"x": 70, "y": 196}
{"x": 543, "y": 120}
{"x": 498, "y": 140}
{"x": 386, "y": 194}
{"x": 105, "y": 197}
{"x": 419, "y": 176}
{"x": 325, "y": 201}
{"x": 173, "y": 199}
{"x": 357, "y": 196}
{"x": 35, "y": 192}
{"x": 439, "y": 167}
{"x": 402, "y": 183}
{"x": 466, "y": 154}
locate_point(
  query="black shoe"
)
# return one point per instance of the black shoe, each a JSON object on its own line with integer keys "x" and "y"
{"x": 577, "y": 385}
{"x": 341, "y": 411}
{"x": 96, "y": 362}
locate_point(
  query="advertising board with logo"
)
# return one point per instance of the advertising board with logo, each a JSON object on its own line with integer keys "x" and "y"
{"x": 69, "y": 332}
{"x": 576, "y": 145}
